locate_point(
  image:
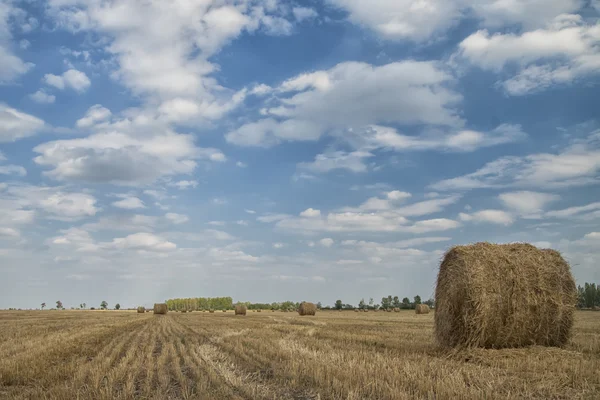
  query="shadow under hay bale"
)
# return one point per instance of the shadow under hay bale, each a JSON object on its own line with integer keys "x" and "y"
{"x": 499, "y": 296}
{"x": 240, "y": 309}
{"x": 160, "y": 308}
{"x": 307, "y": 308}
{"x": 420, "y": 309}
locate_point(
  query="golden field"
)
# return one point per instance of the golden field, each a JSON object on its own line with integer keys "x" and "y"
{"x": 276, "y": 355}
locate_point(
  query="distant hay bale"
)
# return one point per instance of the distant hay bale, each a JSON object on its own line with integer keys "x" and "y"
{"x": 355, "y": 310}
{"x": 389, "y": 310}
{"x": 160, "y": 308}
{"x": 211, "y": 311}
{"x": 501, "y": 296}
{"x": 272, "y": 310}
{"x": 595, "y": 308}
{"x": 258, "y": 310}
{"x": 365, "y": 310}
{"x": 307, "y": 308}
{"x": 398, "y": 310}
{"x": 421, "y": 309}
{"x": 141, "y": 310}
{"x": 240, "y": 309}
{"x": 148, "y": 310}
{"x": 224, "y": 310}
{"x": 183, "y": 311}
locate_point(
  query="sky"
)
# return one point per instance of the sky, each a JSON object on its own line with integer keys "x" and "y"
{"x": 275, "y": 150}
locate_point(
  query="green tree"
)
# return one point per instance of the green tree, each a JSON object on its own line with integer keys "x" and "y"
{"x": 396, "y": 302}
{"x": 405, "y": 303}
{"x": 319, "y": 306}
{"x": 590, "y": 293}
{"x": 386, "y": 302}
{"x": 417, "y": 300}
{"x": 338, "y": 304}
{"x": 117, "y": 306}
{"x": 371, "y": 303}
{"x": 59, "y": 305}
{"x": 361, "y": 304}
{"x": 104, "y": 305}
{"x": 83, "y": 305}
{"x": 43, "y": 305}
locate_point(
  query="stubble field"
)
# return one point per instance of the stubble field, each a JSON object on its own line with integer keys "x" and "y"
{"x": 276, "y": 355}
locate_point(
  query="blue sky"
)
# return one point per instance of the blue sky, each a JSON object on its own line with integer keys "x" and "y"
{"x": 273, "y": 150}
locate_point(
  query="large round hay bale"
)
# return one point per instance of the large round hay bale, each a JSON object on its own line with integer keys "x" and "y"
{"x": 160, "y": 308}
{"x": 240, "y": 309}
{"x": 420, "y": 309}
{"x": 499, "y": 296}
{"x": 141, "y": 310}
{"x": 307, "y": 308}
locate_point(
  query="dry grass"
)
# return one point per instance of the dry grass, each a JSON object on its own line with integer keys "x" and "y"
{"x": 333, "y": 355}
{"x": 501, "y": 296}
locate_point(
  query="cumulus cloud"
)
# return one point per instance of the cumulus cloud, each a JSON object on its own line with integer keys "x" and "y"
{"x": 303, "y": 13}
{"x": 352, "y": 161}
{"x": 564, "y": 51}
{"x": 310, "y": 213}
{"x": 499, "y": 217}
{"x": 15, "y": 125}
{"x": 94, "y": 114}
{"x": 115, "y": 157}
{"x": 142, "y": 241}
{"x": 128, "y": 202}
{"x": 353, "y": 94}
{"x": 177, "y": 218}
{"x": 11, "y": 66}
{"x": 71, "y": 79}
{"x": 12, "y": 170}
{"x": 42, "y": 97}
{"x": 326, "y": 242}
{"x": 576, "y": 165}
{"x": 527, "y": 202}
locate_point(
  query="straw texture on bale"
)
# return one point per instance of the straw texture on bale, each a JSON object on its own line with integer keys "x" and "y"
{"x": 141, "y": 310}
{"x": 421, "y": 309}
{"x": 240, "y": 309}
{"x": 160, "y": 308}
{"x": 503, "y": 296}
{"x": 307, "y": 308}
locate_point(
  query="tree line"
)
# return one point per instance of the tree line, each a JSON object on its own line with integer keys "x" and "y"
{"x": 588, "y": 295}
{"x": 200, "y": 303}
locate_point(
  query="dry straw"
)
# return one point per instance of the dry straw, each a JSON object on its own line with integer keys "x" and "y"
{"x": 498, "y": 296}
{"x": 141, "y": 310}
{"x": 420, "y": 309}
{"x": 160, "y": 308}
{"x": 240, "y": 309}
{"x": 307, "y": 308}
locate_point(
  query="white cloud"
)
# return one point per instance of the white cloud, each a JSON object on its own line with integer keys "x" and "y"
{"x": 12, "y": 170}
{"x": 573, "y": 211}
{"x": 42, "y": 97}
{"x": 402, "y": 244}
{"x": 120, "y": 158}
{"x": 396, "y": 195}
{"x": 241, "y": 164}
{"x": 499, "y": 217}
{"x": 527, "y": 202}
{"x": 310, "y": 213}
{"x": 53, "y": 201}
{"x": 219, "y": 201}
{"x": 250, "y": 211}
{"x": 559, "y": 54}
{"x": 576, "y": 165}
{"x": 9, "y": 232}
{"x": 302, "y": 13}
{"x": 326, "y": 242}
{"x": 15, "y": 125}
{"x": 71, "y": 79}
{"x": 326, "y": 162}
{"x": 529, "y": 13}
{"x": 403, "y": 19}
{"x": 465, "y": 140}
{"x": 278, "y": 245}
{"x": 177, "y": 218}
{"x": 353, "y": 95}
{"x": 129, "y": 202}
{"x": 142, "y": 241}
{"x": 11, "y": 66}
{"x": 96, "y": 113}
{"x": 182, "y": 185}
{"x": 268, "y": 218}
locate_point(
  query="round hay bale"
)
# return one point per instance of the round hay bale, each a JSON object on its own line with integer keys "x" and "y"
{"x": 224, "y": 310}
{"x": 501, "y": 296}
{"x": 389, "y": 310}
{"x": 240, "y": 309}
{"x": 307, "y": 308}
{"x": 398, "y": 310}
{"x": 141, "y": 310}
{"x": 258, "y": 310}
{"x": 355, "y": 310}
{"x": 160, "y": 308}
{"x": 272, "y": 310}
{"x": 421, "y": 309}
{"x": 211, "y": 311}
{"x": 595, "y": 308}
{"x": 183, "y": 311}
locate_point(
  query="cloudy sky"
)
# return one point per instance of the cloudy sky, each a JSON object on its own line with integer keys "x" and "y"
{"x": 305, "y": 150}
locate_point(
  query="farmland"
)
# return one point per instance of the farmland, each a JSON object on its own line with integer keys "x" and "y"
{"x": 276, "y": 355}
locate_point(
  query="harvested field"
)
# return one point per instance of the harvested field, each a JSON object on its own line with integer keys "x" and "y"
{"x": 333, "y": 355}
